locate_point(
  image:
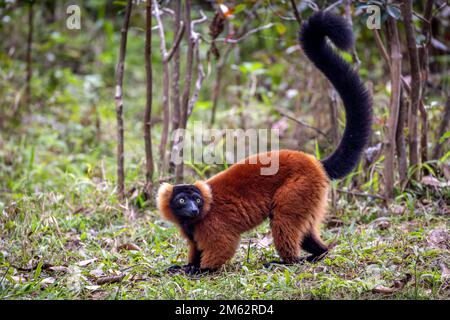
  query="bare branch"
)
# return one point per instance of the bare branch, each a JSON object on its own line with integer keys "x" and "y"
{"x": 119, "y": 101}
{"x": 394, "y": 107}
{"x": 381, "y": 47}
{"x": 199, "y": 21}
{"x": 187, "y": 81}
{"x": 296, "y": 13}
{"x": 267, "y": 26}
{"x": 165, "y": 95}
{"x": 160, "y": 29}
{"x": 168, "y": 10}
{"x": 385, "y": 55}
{"x": 416, "y": 85}
{"x": 175, "y": 96}
{"x": 442, "y": 6}
{"x": 199, "y": 82}
{"x": 148, "y": 106}
{"x": 424, "y": 70}
{"x": 312, "y": 5}
{"x": 176, "y": 43}
{"x": 333, "y": 5}
{"x": 348, "y": 16}
{"x": 301, "y": 122}
{"x": 195, "y": 39}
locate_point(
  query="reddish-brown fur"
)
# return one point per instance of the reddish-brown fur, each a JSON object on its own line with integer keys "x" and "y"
{"x": 240, "y": 198}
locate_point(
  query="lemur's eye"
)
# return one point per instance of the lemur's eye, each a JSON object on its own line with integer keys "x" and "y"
{"x": 181, "y": 201}
{"x": 198, "y": 200}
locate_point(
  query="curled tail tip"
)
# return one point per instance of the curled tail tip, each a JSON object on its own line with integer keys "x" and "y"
{"x": 322, "y": 24}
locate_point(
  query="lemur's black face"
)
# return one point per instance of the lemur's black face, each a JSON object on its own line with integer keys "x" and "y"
{"x": 187, "y": 201}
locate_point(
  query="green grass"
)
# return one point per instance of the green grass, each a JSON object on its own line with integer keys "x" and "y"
{"x": 62, "y": 229}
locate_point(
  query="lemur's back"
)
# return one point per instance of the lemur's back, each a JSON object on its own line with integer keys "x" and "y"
{"x": 254, "y": 193}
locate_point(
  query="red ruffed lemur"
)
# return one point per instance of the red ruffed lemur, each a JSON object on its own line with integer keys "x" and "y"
{"x": 212, "y": 214}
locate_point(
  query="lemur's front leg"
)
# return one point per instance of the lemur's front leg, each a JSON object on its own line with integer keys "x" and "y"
{"x": 217, "y": 251}
{"x": 194, "y": 258}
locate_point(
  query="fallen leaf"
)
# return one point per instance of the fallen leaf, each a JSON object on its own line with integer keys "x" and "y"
{"x": 445, "y": 272}
{"x": 110, "y": 279}
{"x": 383, "y": 223}
{"x": 97, "y": 272}
{"x": 137, "y": 277}
{"x": 48, "y": 281}
{"x": 397, "y": 209}
{"x": 84, "y": 263}
{"x": 19, "y": 279}
{"x": 129, "y": 246}
{"x": 32, "y": 265}
{"x": 58, "y": 268}
{"x": 430, "y": 181}
{"x": 397, "y": 286}
{"x": 439, "y": 239}
{"x": 92, "y": 288}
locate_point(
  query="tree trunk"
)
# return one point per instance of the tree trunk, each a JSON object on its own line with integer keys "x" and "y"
{"x": 149, "y": 167}
{"x": 179, "y": 171}
{"x": 166, "y": 84}
{"x": 400, "y": 142}
{"x": 396, "y": 67}
{"x": 176, "y": 75}
{"x": 119, "y": 101}
{"x": 423, "y": 60}
{"x": 415, "y": 94}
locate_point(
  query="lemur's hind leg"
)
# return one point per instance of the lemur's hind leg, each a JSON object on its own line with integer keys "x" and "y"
{"x": 313, "y": 244}
{"x": 290, "y": 223}
{"x": 287, "y": 237}
{"x": 298, "y": 209}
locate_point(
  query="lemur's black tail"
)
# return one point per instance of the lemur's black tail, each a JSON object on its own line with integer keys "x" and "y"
{"x": 357, "y": 102}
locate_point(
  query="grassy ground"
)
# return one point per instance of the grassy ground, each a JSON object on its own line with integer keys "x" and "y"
{"x": 64, "y": 236}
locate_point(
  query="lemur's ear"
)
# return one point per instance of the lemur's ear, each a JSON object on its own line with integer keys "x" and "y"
{"x": 205, "y": 189}
{"x": 163, "y": 200}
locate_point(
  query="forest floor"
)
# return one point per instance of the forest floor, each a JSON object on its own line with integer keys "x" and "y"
{"x": 64, "y": 236}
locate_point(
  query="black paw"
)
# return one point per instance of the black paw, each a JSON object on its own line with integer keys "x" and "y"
{"x": 271, "y": 263}
{"x": 188, "y": 269}
{"x": 177, "y": 269}
{"x": 196, "y": 271}
{"x": 193, "y": 270}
